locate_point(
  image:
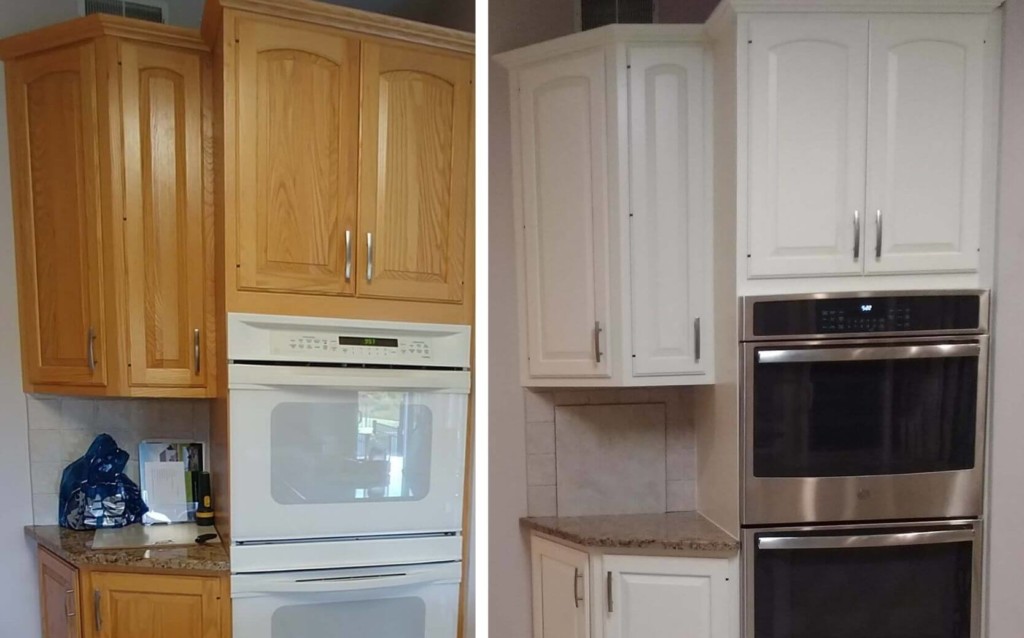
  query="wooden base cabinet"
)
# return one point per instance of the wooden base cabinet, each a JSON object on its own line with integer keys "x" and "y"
{"x": 613, "y": 219}
{"x": 584, "y": 593}
{"x": 110, "y": 604}
{"x": 109, "y": 124}
{"x": 345, "y": 152}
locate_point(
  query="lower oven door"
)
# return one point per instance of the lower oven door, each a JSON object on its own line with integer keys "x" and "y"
{"x": 419, "y": 601}
{"x": 883, "y": 581}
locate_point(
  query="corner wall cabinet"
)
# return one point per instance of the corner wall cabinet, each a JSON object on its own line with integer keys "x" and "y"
{"x": 613, "y": 213}
{"x": 347, "y": 165}
{"x": 588, "y": 594}
{"x": 867, "y": 138}
{"x": 111, "y": 604}
{"x": 109, "y": 138}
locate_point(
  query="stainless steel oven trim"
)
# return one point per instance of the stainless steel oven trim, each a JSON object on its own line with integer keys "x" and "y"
{"x": 770, "y": 501}
{"x": 749, "y": 544}
{"x": 747, "y": 314}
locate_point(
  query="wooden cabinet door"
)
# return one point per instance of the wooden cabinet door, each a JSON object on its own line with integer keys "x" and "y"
{"x": 807, "y": 129}
{"x": 657, "y": 597}
{"x": 164, "y": 239}
{"x": 51, "y": 106}
{"x": 669, "y": 218}
{"x": 560, "y": 164}
{"x": 155, "y": 606}
{"x": 925, "y": 143}
{"x": 561, "y": 590}
{"x": 415, "y": 167}
{"x": 298, "y": 144}
{"x": 58, "y": 597}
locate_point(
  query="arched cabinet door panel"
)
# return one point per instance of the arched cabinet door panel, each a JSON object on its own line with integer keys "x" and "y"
{"x": 416, "y": 173}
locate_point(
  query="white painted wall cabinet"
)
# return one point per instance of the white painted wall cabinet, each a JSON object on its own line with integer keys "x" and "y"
{"x": 579, "y": 594}
{"x": 611, "y": 187}
{"x": 865, "y": 142}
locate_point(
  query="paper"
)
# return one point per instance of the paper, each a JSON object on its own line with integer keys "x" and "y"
{"x": 165, "y": 490}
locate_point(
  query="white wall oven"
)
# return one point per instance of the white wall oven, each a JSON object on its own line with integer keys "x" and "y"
{"x": 864, "y": 407}
{"x": 347, "y": 455}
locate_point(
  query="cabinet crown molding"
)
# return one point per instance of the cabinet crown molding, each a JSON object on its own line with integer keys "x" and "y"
{"x": 97, "y": 25}
{"x": 856, "y": 6}
{"x": 603, "y": 36}
{"x": 342, "y": 18}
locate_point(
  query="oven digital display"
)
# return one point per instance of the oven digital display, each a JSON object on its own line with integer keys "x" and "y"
{"x": 376, "y": 342}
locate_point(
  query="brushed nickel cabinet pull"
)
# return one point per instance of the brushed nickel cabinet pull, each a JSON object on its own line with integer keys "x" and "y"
{"x": 597, "y": 341}
{"x": 611, "y": 605}
{"x": 696, "y": 340}
{"x": 91, "y": 347}
{"x": 196, "y": 350}
{"x": 369, "y": 257}
{"x": 878, "y": 234}
{"x": 97, "y": 609}
{"x": 577, "y": 577}
{"x": 856, "y": 235}
{"x": 69, "y": 610}
{"x": 348, "y": 255}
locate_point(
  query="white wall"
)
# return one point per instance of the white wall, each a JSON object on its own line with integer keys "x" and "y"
{"x": 512, "y": 24}
{"x": 1006, "y": 518}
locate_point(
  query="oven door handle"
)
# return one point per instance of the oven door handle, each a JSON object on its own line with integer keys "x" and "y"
{"x": 870, "y": 353}
{"x": 936, "y": 537}
{"x": 342, "y": 584}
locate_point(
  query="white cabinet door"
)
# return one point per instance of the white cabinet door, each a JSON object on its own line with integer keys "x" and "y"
{"x": 561, "y": 128}
{"x": 561, "y": 596}
{"x": 807, "y": 129}
{"x": 669, "y": 240}
{"x": 925, "y": 143}
{"x": 657, "y": 597}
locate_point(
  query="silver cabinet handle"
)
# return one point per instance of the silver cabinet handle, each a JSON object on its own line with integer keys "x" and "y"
{"x": 577, "y": 577}
{"x": 856, "y": 235}
{"x": 866, "y": 540}
{"x": 91, "y": 348}
{"x": 196, "y": 351}
{"x": 348, "y": 255}
{"x": 597, "y": 341}
{"x": 369, "y": 256}
{"x": 696, "y": 340}
{"x": 97, "y": 611}
{"x": 608, "y": 586}
{"x": 69, "y": 610}
{"x": 878, "y": 234}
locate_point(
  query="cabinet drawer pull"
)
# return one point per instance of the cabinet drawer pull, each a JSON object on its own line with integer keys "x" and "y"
{"x": 696, "y": 340}
{"x": 69, "y": 609}
{"x": 97, "y": 609}
{"x": 91, "y": 348}
{"x": 878, "y": 234}
{"x": 196, "y": 350}
{"x": 577, "y": 577}
{"x": 608, "y": 586}
{"x": 348, "y": 255}
{"x": 856, "y": 235}
{"x": 369, "y": 257}
{"x": 597, "y": 341}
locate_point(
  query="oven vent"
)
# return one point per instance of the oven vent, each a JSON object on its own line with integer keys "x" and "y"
{"x": 151, "y": 11}
{"x": 591, "y": 14}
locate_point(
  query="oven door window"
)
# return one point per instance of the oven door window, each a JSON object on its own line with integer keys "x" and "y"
{"x": 921, "y": 591}
{"x": 861, "y": 418}
{"x": 375, "y": 446}
{"x": 389, "y": 617}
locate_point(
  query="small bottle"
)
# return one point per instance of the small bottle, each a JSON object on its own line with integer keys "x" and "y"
{"x": 204, "y": 513}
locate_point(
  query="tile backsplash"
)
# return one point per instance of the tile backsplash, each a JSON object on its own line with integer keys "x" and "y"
{"x": 61, "y": 429}
{"x": 609, "y": 451}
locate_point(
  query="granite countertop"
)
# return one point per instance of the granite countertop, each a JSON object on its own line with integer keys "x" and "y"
{"x": 75, "y": 547}
{"x": 682, "y": 532}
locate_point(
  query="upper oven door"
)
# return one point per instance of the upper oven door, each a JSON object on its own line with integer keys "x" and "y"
{"x": 863, "y": 429}
{"x": 341, "y": 452}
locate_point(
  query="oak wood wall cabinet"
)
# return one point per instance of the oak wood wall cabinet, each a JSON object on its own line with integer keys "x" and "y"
{"x": 611, "y": 182}
{"x": 345, "y": 162}
{"x": 111, "y": 159}
{"x": 581, "y": 592}
{"x": 130, "y": 604}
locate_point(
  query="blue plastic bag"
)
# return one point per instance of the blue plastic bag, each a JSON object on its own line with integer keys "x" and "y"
{"x": 95, "y": 492}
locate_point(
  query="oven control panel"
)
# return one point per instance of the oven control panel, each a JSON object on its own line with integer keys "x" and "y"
{"x": 864, "y": 317}
{"x": 348, "y": 348}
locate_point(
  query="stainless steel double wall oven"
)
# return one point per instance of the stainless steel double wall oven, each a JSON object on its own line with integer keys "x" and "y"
{"x": 863, "y": 419}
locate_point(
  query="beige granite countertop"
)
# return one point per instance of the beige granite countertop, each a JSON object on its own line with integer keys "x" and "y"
{"x": 677, "y": 532}
{"x": 75, "y": 547}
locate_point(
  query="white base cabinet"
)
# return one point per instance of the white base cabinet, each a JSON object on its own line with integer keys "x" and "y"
{"x": 588, "y": 594}
{"x": 613, "y": 215}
